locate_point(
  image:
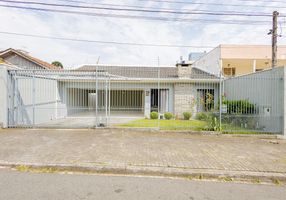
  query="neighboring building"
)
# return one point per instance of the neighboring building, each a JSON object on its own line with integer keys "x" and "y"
{"x": 193, "y": 56}
{"x": 20, "y": 59}
{"x": 239, "y": 59}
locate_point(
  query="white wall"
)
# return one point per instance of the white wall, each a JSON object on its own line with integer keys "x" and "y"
{"x": 265, "y": 89}
{"x": 3, "y": 96}
{"x": 210, "y": 62}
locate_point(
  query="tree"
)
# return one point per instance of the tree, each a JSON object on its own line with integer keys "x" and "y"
{"x": 58, "y": 64}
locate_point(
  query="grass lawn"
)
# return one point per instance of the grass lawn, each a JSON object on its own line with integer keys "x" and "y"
{"x": 195, "y": 125}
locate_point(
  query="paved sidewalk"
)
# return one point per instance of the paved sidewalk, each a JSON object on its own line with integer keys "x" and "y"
{"x": 142, "y": 150}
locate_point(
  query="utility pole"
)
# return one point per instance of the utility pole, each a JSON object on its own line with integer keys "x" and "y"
{"x": 274, "y": 38}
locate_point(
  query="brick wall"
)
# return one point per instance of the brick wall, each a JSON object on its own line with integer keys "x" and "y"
{"x": 184, "y": 70}
{"x": 184, "y": 99}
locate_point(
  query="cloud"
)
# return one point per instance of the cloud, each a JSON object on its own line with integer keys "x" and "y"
{"x": 73, "y": 54}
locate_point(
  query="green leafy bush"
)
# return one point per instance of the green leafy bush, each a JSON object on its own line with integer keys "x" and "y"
{"x": 168, "y": 115}
{"x": 213, "y": 124}
{"x": 187, "y": 115}
{"x": 240, "y": 107}
{"x": 201, "y": 116}
{"x": 154, "y": 115}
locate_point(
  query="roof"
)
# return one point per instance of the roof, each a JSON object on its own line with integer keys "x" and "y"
{"x": 37, "y": 61}
{"x": 132, "y": 71}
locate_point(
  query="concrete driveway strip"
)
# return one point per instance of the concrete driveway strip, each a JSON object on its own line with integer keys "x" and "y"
{"x": 138, "y": 149}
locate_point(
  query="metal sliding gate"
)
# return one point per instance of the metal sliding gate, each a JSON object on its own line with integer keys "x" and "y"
{"x": 58, "y": 99}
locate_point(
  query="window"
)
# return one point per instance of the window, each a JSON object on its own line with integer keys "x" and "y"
{"x": 205, "y": 99}
{"x": 229, "y": 71}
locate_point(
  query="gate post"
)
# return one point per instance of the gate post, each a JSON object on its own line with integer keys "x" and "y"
{"x": 96, "y": 100}
{"x": 159, "y": 75}
{"x": 220, "y": 100}
{"x": 106, "y": 100}
{"x": 34, "y": 97}
{"x": 109, "y": 96}
{"x": 3, "y": 96}
{"x": 284, "y": 104}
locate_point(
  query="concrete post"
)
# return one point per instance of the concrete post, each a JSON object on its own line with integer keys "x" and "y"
{"x": 254, "y": 66}
{"x": 3, "y": 96}
{"x": 284, "y": 105}
{"x": 147, "y": 106}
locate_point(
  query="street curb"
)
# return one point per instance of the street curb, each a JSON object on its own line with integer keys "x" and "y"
{"x": 153, "y": 130}
{"x": 202, "y": 174}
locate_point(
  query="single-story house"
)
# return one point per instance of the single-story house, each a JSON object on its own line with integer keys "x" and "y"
{"x": 42, "y": 96}
{"x": 163, "y": 89}
{"x": 112, "y": 94}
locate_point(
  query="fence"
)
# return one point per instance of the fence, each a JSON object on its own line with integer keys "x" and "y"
{"x": 130, "y": 97}
{"x": 255, "y": 102}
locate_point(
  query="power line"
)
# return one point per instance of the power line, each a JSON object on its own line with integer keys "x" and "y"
{"x": 117, "y": 43}
{"x": 217, "y": 21}
{"x": 266, "y": 1}
{"x": 104, "y": 42}
{"x": 212, "y": 4}
{"x": 137, "y": 10}
{"x": 272, "y": 1}
{"x": 143, "y": 7}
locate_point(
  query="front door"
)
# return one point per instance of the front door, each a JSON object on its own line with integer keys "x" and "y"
{"x": 160, "y": 100}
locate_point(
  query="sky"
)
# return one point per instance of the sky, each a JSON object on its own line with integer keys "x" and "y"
{"x": 191, "y": 32}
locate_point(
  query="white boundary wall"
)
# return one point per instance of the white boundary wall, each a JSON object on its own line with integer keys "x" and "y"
{"x": 284, "y": 103}
{"x": 3, "y": 96}
{"x": 265, "y": 89}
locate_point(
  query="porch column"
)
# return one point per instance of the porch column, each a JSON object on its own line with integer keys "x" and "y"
{"x": 147, "y": 106}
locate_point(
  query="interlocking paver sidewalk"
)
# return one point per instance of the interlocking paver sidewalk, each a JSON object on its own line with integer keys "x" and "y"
{"x": 116, "y": 147}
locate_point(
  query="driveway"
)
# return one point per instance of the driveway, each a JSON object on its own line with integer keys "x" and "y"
{"x": 88, "y": 119}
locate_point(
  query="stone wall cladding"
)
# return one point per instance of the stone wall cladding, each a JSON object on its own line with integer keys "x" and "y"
{"x": 184, "y": 99}
{"x": 184, "y": 71}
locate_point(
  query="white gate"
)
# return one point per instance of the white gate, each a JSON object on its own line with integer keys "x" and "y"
{"x": 45, "y": 98}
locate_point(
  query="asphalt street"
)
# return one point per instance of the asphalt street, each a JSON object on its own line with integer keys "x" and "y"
{"x": 43, "y": 186}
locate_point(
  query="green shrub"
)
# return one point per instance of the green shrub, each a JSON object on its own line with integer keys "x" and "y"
{"x": 154, "y": 115}
{"x": 213, "y": 124}
{"x": 187, "y": 115}
{"x": 168, "y": 115}
{"x": 240, "y": 107}
{"x": 201, "y": 116}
